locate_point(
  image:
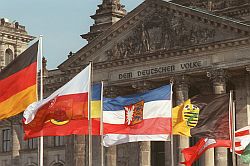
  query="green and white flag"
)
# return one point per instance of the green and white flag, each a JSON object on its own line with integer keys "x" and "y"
{"x": 242, "y": 144}
{"x": 245, "y": 157}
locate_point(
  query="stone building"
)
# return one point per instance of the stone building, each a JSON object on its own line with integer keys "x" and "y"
{"x": 202, "y": 45}
{"x": 14, "y": 40}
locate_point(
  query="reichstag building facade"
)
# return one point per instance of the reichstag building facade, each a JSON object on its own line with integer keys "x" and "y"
{"x": 203, "y": 46}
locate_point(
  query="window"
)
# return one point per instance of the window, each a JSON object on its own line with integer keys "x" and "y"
{"x": 58, "y": 141}
{"x": 32, "y": 143}
{"x": 6, "y": 140}
{"x": 8, "y": 56}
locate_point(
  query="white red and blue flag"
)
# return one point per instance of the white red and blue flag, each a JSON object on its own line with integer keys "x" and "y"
{"x": 140, "y": 117}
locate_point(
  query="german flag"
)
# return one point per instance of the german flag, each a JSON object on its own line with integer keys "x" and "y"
{"x": 18, "y": 88}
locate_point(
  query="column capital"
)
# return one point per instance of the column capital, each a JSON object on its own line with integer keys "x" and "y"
{"x": 111, "y": 91}
{"x": 142, "y": 86}
{"x": 248, "y": 68}
{"x": 218, "y": 75}
{"x": 181, "y": 79}
{"x": 181, "y": 82}
{"x": 16, "y": 120}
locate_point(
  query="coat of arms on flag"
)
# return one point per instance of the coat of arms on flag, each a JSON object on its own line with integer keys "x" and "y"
{"x": 191, "y": 114}
{"x": 138, "y": 117}
{"x": 203, "y": 116}
{"x": 65, "y": 111}
{"x": 134, "y": 113}
{"x": 60, "y": 112}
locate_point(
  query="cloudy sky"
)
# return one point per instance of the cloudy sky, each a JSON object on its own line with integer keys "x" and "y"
{"x": 61, "y": 22}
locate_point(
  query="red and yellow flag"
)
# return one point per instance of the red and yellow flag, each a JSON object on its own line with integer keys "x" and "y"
{"x": 18, "y": 87}
{"x": 65, "y": 111}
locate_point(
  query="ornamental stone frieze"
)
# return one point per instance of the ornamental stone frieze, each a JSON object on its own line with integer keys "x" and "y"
{"x": 163, "y": 30}
{"x": 214, "y": 4}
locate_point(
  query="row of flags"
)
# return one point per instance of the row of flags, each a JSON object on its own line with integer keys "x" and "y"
{"x": 147, "y": 116}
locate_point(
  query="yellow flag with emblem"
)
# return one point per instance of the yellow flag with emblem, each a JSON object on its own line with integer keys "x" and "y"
{"x": 184, "y": 117}
{"x": 202, "y": 116}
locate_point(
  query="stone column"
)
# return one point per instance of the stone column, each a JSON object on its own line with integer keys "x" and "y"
{"x": 181, "y": 92}
{"x": 16, "y": 128}
{"x": 110, "y": 152}
{"x": 145, "y": 153}
{"x": 145, "y": 146}
{"x": 1, "y": 56}
{"x": 76, "y": 151}
{"x": 219, "y": 87}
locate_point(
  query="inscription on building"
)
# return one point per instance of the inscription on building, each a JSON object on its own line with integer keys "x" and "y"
{"x": 161, "y": 69}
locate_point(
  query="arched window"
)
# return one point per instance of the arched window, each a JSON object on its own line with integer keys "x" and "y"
{"x": 32, "y": 164}
{"x": 57, "y": 163}
{"x": 8, "y": 56}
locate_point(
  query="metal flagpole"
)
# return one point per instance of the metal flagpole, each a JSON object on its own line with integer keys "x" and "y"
{"x": 89, "y": 115}
{"x": 232, "y": 125}
{"x": 230, "y": 118}
{"x": 101, "y": 127}
{"x": 172, "y": 138}
{"x": 233, "y": 133}
{"x": 41, "y": 97}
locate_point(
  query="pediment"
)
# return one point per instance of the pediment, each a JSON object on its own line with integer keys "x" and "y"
{"x": 157, "y": 25}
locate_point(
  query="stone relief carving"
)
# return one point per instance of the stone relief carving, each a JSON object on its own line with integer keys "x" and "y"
{"x": 161, "y": 31}
{"x": 217, "y": 4}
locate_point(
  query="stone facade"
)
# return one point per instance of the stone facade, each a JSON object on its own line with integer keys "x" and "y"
{"x": 188, "y": 42}
{"x": 14, "y": 40}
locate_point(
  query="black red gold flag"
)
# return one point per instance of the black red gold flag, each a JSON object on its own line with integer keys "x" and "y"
{"x": 203, "y": 116}
{"x": 18, "y": 87}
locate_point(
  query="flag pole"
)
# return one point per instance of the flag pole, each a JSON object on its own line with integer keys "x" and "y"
{"x": 230, "y": 119}
{"x": 89, "y": 115}
{"x": 172, "y": 138}
{"x": 101, "y": 127}
{"x": 41, "y": 97}
{"x": 232, "y": 123}
{"x": 233, "y": 133}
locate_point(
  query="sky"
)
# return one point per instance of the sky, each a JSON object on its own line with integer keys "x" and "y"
{"x": 60, "y": 22}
